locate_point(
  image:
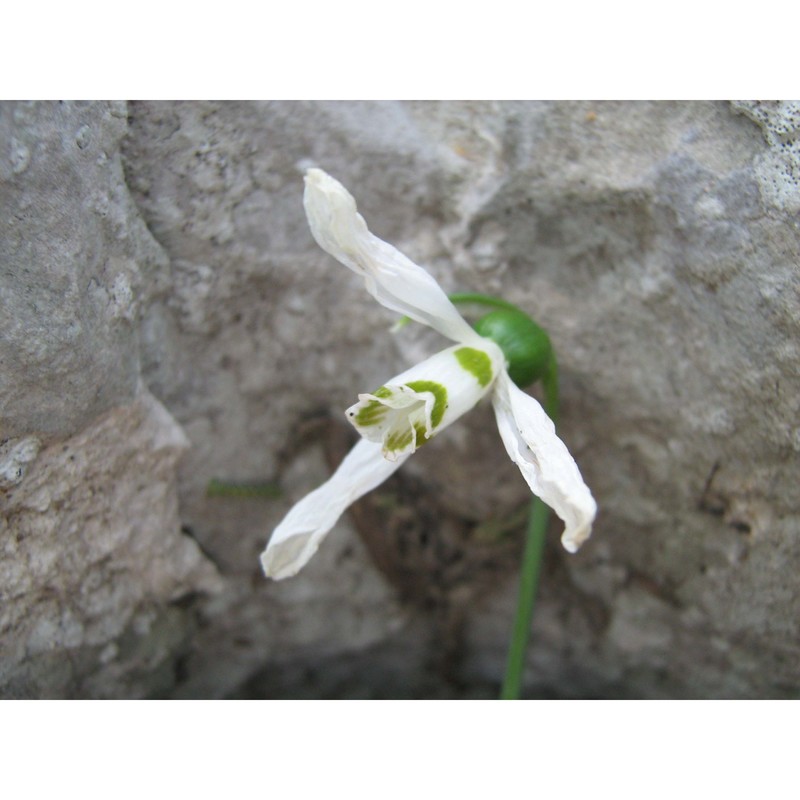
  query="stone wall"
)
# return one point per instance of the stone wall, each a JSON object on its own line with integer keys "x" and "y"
{"x": 167, "y": 319}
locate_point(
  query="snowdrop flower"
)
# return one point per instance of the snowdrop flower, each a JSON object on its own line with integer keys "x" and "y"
{"x": 410, "y": 409}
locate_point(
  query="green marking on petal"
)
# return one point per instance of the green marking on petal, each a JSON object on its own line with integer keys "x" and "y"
{"x": 422, "y": 436}
{"x": 440, "y": 398}
{"x": 398, "y": 441}
{"x": 402, "y": 439}
{"x": 371, "y": 414}
{"x": 477, "y": 363}
{"x": 374, "y": 411}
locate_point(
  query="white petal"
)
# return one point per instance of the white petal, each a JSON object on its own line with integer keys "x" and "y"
{"x": 392, "y": 279}
{"x": 531, "y": 442}
{"x": 414, "y": 406}
{"x": 302, "y": 530}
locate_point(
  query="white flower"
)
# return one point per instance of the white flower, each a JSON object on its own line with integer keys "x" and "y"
{"x": 416, "y": 405}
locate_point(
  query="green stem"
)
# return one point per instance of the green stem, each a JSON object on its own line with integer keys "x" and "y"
{"x": 529, "y": 581}
{"x": 531, "y": 564}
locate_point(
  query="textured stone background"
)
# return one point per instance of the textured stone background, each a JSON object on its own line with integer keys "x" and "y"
{"x": 167, "y": 319}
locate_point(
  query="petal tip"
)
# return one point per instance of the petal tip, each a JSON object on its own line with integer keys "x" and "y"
{"x": 316, "y": 176}
{"x": 574, "y": 538}
{"x": 317, "y": 180}
{"x": 286, "y": 558}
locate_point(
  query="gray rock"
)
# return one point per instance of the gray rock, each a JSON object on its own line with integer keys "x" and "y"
{"x": 92, "y": 557}
{"x": 15, "y": 455}
{"x": 657, "y": 242}
{"x": 72, "y": 258}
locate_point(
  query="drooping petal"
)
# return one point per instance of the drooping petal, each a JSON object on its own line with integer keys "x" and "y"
{"x": 532, "y": 444}
{"x": 414, "y": 406}
{"x": 390, "y": 277}
{"x": 301, "y": 531}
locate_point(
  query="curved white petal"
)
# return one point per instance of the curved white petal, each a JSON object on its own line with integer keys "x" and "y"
{"x": 301, "y": 531}
{"x": 390, "y": 277}
{"x": 531, "y": 442}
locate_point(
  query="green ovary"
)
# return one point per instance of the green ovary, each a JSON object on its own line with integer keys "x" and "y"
{"x": 477, "y": 363}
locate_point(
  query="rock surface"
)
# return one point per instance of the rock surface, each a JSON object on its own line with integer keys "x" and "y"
{"x": 159, "y": 250}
